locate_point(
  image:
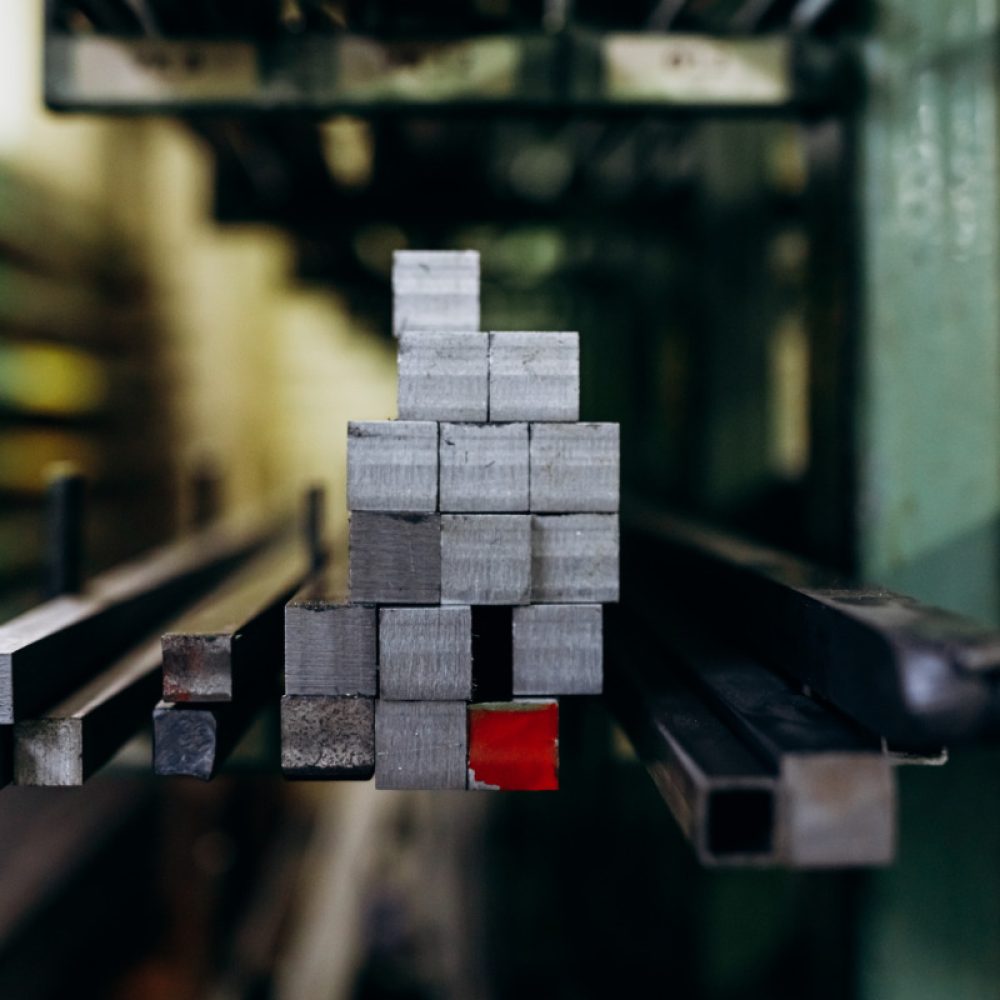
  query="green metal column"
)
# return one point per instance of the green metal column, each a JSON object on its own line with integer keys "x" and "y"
{"x": 929, "y": 455}
{"x": 929, "y": 443}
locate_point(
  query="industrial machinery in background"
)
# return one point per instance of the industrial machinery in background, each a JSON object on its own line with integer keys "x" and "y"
{"x": 775, "y": 223}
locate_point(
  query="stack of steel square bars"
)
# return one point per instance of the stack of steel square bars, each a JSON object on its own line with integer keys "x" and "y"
{"x": 770, "y": 700}
{"x": 483, "y": 542}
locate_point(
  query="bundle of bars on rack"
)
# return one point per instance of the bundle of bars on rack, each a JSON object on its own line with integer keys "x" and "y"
{"x": 770, "y": 701}
{"x": 483, "y": 542}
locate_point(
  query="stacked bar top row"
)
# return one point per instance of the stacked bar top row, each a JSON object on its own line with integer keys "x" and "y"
{"x": 469, "y": 376}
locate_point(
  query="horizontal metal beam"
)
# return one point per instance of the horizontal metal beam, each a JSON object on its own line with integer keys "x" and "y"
{"x": 71, "y": 741}
{"x": 325, "y": 74}
{"x": 917, "y": 675}
{"x": 48, "y": 651}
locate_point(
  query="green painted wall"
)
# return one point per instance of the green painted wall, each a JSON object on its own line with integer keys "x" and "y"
{"x": 929, "y": 455}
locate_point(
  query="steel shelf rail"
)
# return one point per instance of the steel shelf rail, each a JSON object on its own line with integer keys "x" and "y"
{"x": 570, "y": 70}
{"x": 916, "y": 675}
{"x": 51, "y": 649}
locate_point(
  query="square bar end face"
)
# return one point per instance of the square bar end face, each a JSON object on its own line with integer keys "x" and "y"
{"x": 534, "y": 376}
{"x": 425, "y": 654}
{"x": 435, "y": 290}
{"x": 395, "y": 558}
{"x": 574, "y": 468}
{"x": 184, "y": 741}
{"x": 484, "y": 467}
{"x": 420, "y": 744}
{"x": 485, "y": 558}
{"x": 328, "y": 737}
{"x": 392, "y": 465}
{"x": 839, "y": 809}
{"x": 443, "y": 375}
{"x": 49, "y": 753}
{"x": 330, "y": 649}
{"x": 558, "y": 649}
{"x": 514, "y": 746}
{"x": 574, "y": 558}
{"x": 197, "y": 667}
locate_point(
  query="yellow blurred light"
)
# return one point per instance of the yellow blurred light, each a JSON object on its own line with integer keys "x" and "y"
{"x": 50, "y": 380}
{"x": 349, "y": 150}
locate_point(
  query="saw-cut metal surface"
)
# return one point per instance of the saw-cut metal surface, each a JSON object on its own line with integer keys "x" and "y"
{"x": 395, "y": 558}
{"x": 425, "y": 654}
{"x": 233, "y": 636}
{"x": 75, "y": 738}
{"x": 435, "y": 290}
{"x": 328, "y": 737}
{"x": 330, "y": 645}
{"x": 443, "y": 375}
{"x": 574, "y": 558}
{"x": 534, "y": 376}
{"x": 574, "y": 468}
{"x": 420, "y": 744}
{"x": 558, "y": 649}
{"x": 484, "y": 468}
{"x": 392, "y": 465}
{"x": 485, "y": 558}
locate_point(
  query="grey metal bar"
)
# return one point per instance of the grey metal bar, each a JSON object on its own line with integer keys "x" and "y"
{"x": 48, "y": 651}
{"x": 71, "y": 741}
{"x": 195, "y": 740}
{"x": 330, "y": 644}
{"x": 221, "y": 663}
{"x": 918, "y": 675}
{"x": 722, "y": 795}
{"x": 328, "y": 736}
{"x": 836, "y": 802}
{"x": 233, "y": 637}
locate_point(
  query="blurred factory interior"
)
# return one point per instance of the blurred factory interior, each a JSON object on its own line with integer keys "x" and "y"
{"x": 774, "y": 223}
